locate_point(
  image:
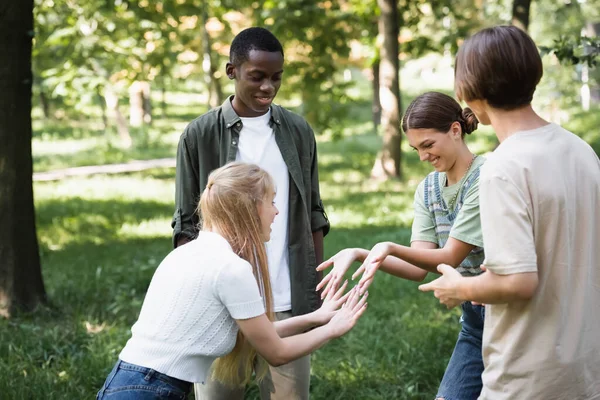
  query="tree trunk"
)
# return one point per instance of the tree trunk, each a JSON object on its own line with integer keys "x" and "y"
{"x": 112, "y": 102}
{"x": 139, "y": 104}
{"x": 21, "y": 284}
{"x": 44, "y": 103}
{"x": 388, "y": 163}
{"x": 376, "y": 107}
{"x": 213, "y": 85}
{"x": 102, "y": 103}
{"x": 520, "y": 14}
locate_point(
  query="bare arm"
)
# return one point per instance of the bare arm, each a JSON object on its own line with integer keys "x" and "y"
{"x": 398, "y": 267}
{"x": 262, "y": 335}
{"x": 488, "y": 288}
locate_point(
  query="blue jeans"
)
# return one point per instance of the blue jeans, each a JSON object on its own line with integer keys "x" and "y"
{"x": 462, "y": 379}
{"x": 133, "y": 382}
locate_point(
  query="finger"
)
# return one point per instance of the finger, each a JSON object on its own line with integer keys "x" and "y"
{"x": 352, "y": 299}
{"x": 343, "y": 299}
{"x": 444, "y": 269}
{"x": 325, "y": 265}
{"x": 483, "y": 268}
{"x": 341, "y": 290}
{"x": 428, "y": 287}
{"x": 367, "y": 276}
{"x": 362, "y": 301}
{"x": 333, "y": 291}
{"x": 365, "y": 286}
{"x": 360, "y": 312}
{"x": 359, "y": 271}
{"x": 325, "y": 291}
{"x": 325, "y": 279}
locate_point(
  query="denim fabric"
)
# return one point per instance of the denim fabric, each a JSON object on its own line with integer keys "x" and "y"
{"x": 462, "y": 379}
{"x": 133, "y": 382}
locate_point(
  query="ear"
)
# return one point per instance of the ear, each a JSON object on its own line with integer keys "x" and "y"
{"x": 230, "y": 70}
{"x": 456, "y": 130}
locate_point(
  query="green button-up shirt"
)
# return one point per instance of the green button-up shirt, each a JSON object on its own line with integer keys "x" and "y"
{"x": 211, "y": 141}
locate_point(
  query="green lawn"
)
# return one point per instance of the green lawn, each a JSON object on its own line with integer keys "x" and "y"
{"x": 101, "y": 238}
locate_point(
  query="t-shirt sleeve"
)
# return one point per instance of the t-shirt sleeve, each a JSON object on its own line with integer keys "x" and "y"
{"x": 423, "y": 227}
{"x": 506, "y": 222}
{"x": 467, "y": 226}
{"x": 238, "y": 291}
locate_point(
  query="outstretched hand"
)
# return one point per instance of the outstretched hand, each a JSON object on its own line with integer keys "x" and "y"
{"x": 445, "y": 288}
{"x": 371, "y": 264}
{"x": 351, "y": 311}
{"x": 331, "y": 304}
{"x": 341, "y": 262}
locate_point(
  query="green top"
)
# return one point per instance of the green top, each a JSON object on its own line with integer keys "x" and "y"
{"x": 466, "y": 226}
{"x": 211, "y": 141}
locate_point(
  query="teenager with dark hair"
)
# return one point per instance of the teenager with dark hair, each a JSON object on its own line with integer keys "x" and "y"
{"x": 249, "y": 127}
{"x": 539, "y": 196}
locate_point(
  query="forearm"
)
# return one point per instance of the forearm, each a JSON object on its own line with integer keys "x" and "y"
{"x": 395, "y": 266}
{"x": 427, "y": 259}
{"x": 293, "y": 347}
{"x": 295, "y": 325}
{"x": 490, "y": 288}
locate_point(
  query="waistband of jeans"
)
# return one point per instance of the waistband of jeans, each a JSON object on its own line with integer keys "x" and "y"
{"x": 178, "y": 383}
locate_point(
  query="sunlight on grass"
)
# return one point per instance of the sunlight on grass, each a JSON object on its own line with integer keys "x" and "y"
{"x": 159, "y": 227}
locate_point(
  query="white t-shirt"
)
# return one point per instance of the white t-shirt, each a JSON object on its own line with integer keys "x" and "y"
{"x": 257, "y": 145}
{"x": 189, "y": 312}
{"x": 540, "y": 212}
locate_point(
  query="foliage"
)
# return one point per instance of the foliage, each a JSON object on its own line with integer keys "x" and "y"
{"x": 579, "y": 50}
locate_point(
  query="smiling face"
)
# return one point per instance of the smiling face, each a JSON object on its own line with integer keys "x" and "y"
{"x": 440, "y": 149}
{"x": 267, "y": 213}
{"x": 257, "y": 81}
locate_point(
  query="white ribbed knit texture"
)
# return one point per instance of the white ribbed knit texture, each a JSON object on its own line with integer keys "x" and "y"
{"x": 188, "y": 316}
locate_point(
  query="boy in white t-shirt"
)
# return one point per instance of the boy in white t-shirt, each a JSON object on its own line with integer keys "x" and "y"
{"x": 539, "y": 199}
{"x": 249, "y": 127}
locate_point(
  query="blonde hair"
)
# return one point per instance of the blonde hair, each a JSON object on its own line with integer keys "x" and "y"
{"x": 229, "y": 205}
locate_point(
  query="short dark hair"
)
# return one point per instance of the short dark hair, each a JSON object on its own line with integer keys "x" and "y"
{"x": 501, "y": 65}
{"x": 434, "y": 110}
{"x": 249, "y": 39}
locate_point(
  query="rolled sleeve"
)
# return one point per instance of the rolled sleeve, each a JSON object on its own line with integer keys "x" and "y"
{"x": 318, "y": 217}
{"x": 187, "y": 191}
{"x": 506, "y": 222}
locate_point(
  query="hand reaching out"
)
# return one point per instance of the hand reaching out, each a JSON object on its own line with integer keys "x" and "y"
{"x": 351, "y": 311}
{"x": 341, "y": 262}
{"x": 371, "y": 264}
{"x": 445, "y": 287}
{"x": 331, "y": 304}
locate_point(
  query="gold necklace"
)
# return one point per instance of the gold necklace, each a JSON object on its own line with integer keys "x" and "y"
{"x": 461, "y": 182}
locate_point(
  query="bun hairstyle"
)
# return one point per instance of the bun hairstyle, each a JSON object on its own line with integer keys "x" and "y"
{"x": 468, "y": 121}
{"x": 229, "y": 205}
{"x": 438, "y": 111}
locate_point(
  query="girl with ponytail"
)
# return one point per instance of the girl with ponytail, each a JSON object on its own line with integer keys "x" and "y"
{"x": 446, "y": 229}
{"x": 211, "y": 299}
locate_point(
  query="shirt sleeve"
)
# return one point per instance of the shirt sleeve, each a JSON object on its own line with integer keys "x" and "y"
{"x": 238, "y": 291}
{"x": 187, "y": 190}
{"x": 506, "y": 222}
{"x": 318, "y": 217}
{"x": 423, "y": 227}
{"x": 467, "y": 225}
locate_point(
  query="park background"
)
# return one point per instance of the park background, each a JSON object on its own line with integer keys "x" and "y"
{"x": 115, "y": 82}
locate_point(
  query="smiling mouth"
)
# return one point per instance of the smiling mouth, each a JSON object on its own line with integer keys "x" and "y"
{"x": 434, "y": 162}
{"x": 264, "y": 100}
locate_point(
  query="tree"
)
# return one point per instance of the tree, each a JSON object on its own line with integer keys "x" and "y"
{"x": 21, "y": 284}
{"x": 388, "y": 163}
{"x": 520, "y": 14}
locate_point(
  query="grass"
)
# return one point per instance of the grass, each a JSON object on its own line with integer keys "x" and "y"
{"x": 101, "y": 238}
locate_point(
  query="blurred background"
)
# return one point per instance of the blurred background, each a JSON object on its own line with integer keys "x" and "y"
{"x": 115, "y": 82}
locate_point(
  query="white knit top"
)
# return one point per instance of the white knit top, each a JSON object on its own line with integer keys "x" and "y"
{"x": 188, "y": 316}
